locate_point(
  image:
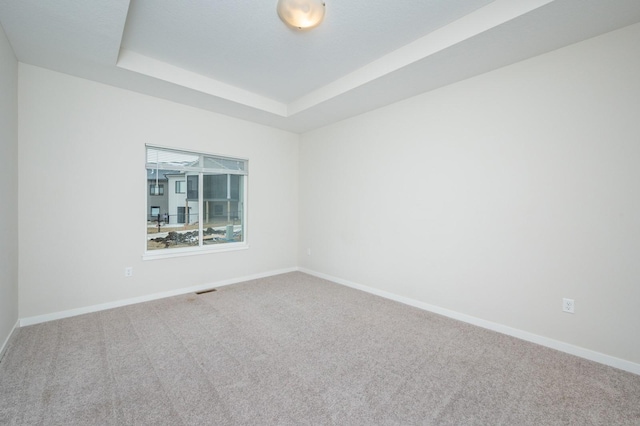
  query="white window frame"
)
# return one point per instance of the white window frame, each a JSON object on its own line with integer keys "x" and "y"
{"x": 181, "y": 184}
{"x": 202, "y": 171}
{"x": 159, "y": 188}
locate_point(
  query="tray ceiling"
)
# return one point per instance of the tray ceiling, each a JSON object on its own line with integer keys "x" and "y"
{"x": 239, "y": 59}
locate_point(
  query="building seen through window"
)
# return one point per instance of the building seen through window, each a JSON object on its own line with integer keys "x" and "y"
{"x": 195, "y": 200}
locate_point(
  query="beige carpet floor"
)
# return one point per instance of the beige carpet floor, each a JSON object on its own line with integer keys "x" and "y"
{"x": 297, "y": 350}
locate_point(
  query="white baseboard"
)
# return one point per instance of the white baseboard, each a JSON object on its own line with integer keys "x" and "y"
{"x": 5, "y": 344}
{"x": 601, "y": 358}
{"x": 103, "y": 306}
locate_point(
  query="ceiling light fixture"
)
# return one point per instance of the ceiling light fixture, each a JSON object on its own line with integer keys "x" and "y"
{"x": 301, "y": 14}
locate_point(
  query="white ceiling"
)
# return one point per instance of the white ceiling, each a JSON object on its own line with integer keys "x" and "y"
{"x": 237, "y": 58}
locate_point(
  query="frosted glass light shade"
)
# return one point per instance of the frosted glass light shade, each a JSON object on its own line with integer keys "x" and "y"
{"x": 301, "y": 14}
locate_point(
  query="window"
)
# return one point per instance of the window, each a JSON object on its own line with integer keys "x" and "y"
{"x": 207, "y": 210}
{"x": 156, "y": 189}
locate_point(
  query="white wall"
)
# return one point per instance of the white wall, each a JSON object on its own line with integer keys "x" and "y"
{"x": 8, "y": 189}
{"x": 494, "y": 197}
{"x": 83, "y": 191}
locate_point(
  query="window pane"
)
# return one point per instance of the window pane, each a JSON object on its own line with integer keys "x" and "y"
{"x": 167, "y": 159}
{"x": 224, "y": 164}
{"x": 184, "y": 185}
{"x": 173, "y": 222}
{"x": 223, "y": 213}
{"x": 235, "y": 186}
{"x": 156, "y": 189}
{"x": 192, "y": 187}
{"x": 215, "y": 187}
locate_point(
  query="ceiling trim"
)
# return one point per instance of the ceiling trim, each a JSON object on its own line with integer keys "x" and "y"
{"x": 477, "y": 22}
{"x": 483, "y": 19}
{"x": 86, "y": 40}
{"x": 145, "y": 65}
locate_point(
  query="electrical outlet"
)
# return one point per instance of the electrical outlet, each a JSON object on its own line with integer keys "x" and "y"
{"x": 128, "y": 271}
{"x": 568, "y": 305}
{"x": 308, "y": 252}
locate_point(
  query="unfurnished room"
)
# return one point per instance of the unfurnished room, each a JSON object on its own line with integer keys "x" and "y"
{"x": 320, "y": 212}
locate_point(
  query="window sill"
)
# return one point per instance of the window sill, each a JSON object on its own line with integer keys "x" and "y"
{"x": 169, "y": 253}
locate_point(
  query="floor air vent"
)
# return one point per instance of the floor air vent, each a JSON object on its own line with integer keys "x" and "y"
{"x": 205, "y": 291}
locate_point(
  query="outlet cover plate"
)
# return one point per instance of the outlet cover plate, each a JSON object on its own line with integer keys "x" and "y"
{"x": 568, "y": 305}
